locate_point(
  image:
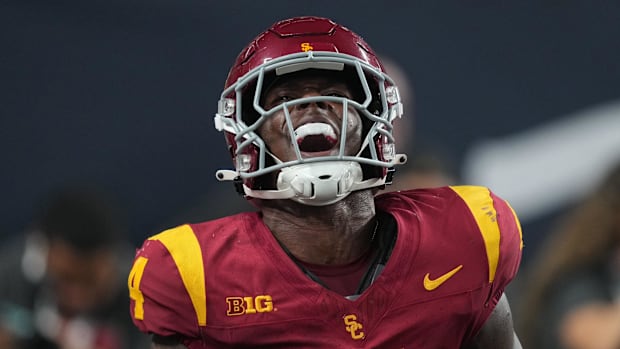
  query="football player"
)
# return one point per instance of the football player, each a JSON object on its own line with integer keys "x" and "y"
{"x": 326, "y": 262}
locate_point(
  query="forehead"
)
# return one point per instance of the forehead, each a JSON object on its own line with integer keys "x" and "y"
{"x": 312, "y": 78}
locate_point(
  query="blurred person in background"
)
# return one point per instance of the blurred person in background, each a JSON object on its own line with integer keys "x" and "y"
{"x": 572, "y": 294}
{"x": 428, "y": 165}
{"x": 428, "y": 168}
{"x": 63, "y": 281}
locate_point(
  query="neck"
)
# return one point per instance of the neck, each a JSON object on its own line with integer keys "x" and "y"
{"x": 335, "y": 234}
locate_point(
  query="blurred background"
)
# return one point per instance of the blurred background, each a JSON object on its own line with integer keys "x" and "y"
{"x": 521, "y": 96}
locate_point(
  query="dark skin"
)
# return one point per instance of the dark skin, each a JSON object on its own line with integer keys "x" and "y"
{"x": 338, "y": 233}
{"x": 353, "y": 218}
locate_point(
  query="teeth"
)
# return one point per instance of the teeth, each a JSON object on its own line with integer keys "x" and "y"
{"x": 313, "y": 129}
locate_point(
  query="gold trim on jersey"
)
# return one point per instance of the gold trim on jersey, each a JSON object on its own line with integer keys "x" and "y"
{"x": 514, "y": 214}
{"x": 480, "y": 203}
{"x": 183, "y": 246}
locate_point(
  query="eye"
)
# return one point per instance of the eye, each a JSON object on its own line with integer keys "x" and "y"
{"x": 336, "y": 93}
{"x": 278, "y": 99}
{"x": 284, "y": 98}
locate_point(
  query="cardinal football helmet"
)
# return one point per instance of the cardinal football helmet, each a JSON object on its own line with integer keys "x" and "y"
{"x": 290, "y": 46}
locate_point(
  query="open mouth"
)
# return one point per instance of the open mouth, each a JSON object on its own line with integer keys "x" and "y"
{"x": 315, "y": 137}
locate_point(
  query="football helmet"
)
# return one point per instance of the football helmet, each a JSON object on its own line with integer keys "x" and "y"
{"x": 295, "y": 45}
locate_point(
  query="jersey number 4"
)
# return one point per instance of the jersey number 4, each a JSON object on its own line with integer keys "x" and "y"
{"x": 133, "y": 282}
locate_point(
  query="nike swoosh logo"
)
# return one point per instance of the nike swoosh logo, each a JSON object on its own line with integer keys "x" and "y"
{"x": 431, "y": 284}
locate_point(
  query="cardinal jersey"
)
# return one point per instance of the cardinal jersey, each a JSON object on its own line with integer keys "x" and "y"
{"x": 228, "y": 283}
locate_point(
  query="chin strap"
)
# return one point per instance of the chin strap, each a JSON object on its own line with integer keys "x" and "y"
{"x": 314, "y": 184}
{"x": 290, "y": 193}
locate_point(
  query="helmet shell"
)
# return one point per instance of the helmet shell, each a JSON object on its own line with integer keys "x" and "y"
{"x": 300, "y": 34}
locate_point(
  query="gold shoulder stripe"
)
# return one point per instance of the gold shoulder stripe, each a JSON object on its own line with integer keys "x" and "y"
{"x": 514, "y": 214}
{"x": 184, "y": 248}
{"x": 480, "y": 203}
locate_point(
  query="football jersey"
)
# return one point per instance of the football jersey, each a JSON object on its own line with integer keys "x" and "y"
{"x": 228, "y": 283}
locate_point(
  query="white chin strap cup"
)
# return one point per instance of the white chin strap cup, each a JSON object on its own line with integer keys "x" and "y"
{"x": 313, "y": 184}
{"x": 320, "y": 184}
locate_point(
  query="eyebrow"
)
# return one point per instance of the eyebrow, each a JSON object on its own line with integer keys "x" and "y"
{"x": 318, "y": 84}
